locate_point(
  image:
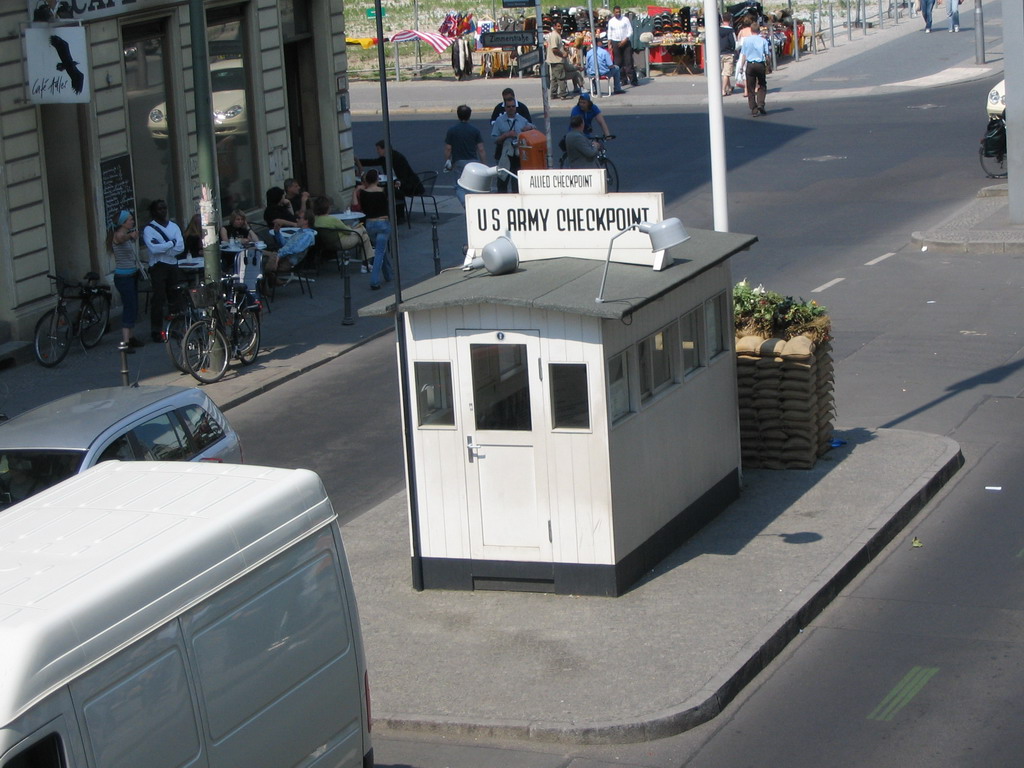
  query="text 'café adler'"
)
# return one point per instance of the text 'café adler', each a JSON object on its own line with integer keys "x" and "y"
{"x": 563, "y": 443}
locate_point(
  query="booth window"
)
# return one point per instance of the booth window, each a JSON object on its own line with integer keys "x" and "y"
{"x": 618, "y": 386}
{"x": 501, "y": 387}
{"x": 716, "y": 323}
{"x": 692, "y": 341}
{"x": 434, "y": 394}
{"x": 570, "y": 407}
{"x": 655, "y": 358}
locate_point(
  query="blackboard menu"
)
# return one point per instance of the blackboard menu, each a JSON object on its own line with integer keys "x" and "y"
{"x": 118, "y": 192}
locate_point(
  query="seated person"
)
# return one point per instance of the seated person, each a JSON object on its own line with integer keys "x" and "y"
{"x": 295, "y": 194}
{"x": 406, "y": 180}
{"x": 293, "y": 250}
{"x": 237, "y": 226}
{"x": 348, "y": 236}
{"x": 278, "y": 212}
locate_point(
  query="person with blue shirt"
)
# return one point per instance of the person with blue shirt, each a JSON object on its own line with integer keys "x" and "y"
{"x": 605, "y": 67}
{"x": 294, "y": 248}
{"x": 754, "y": 53}
{"x": 591, "y": 113}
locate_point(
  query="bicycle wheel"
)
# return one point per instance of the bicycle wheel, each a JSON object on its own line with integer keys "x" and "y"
{"x": 611, "y": 175}
{"x": 52, "y": 337}
{"x": 205, "y": 351}
{"x": 174, "y": 335}
{"x": 247, "y": 334}
{"x": 92, "y": 320}
{"x": 995, "y": 166}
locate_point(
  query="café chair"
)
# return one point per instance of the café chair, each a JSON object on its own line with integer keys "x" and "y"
{"x": 427, "y": 181}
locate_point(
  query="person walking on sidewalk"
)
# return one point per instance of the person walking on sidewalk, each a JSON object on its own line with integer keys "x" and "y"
{"x": 727, "y": 52}
{"x": 953, "y": 11}
{"x": 926, "y": 13}
{"x": 754, "y": 57}
{"x": 620, "y": 33}
{"x": 462, "y": 145}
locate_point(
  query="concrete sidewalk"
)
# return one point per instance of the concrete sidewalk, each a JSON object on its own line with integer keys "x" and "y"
{"x": 670, "y": 653}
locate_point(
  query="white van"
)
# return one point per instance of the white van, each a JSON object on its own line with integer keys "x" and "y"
{"x": 160, "y": 614}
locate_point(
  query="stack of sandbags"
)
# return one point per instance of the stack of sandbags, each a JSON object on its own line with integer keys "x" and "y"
{"x": 786, "y": 402}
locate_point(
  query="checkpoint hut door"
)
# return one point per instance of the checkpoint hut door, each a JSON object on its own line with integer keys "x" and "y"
{"x": 502, "y": 402}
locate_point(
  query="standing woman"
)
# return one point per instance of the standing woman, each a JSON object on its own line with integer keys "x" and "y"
{"x": 374, "y": 201}
{"x": 122, "y": 241}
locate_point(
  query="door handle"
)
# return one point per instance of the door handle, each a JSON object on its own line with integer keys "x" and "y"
{"x": 472, "y": 448}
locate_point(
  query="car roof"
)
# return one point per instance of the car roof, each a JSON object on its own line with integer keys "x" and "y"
{"x": 74, "y": 422}
{"x": 106, "y": 556}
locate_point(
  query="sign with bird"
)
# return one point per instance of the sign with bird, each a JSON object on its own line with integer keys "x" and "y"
{"x": 57, "y": 60}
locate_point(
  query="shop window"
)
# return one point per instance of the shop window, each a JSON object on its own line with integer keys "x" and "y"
{"x": 570, "y": 404}
{"x": 232, "y": 113}
{"x": 716, "y": 323}
{"x": 618, "y": 387}
{"x": 150, "y": 124}
{"x": 691, "y": 341}
{"x": 654, "y": 356}
{"x": 434, "y": 405}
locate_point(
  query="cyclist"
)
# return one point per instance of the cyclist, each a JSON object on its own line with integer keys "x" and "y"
{"x": 590, "y": 113}
{"x": 580, "y": 151}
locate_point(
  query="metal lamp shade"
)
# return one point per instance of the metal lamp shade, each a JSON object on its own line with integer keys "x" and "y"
{"x": 500, "y": 256}
{"x": 476, "y": 177}
{"x": 665, "y": 233}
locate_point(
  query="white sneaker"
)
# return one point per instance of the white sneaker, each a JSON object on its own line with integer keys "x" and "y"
{"x": 956, "y": 29}
{"x": 364, "y": 269}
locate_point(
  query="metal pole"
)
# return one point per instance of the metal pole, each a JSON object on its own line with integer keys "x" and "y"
{"x": 979, "y": 33}
{"x": 403, "y": 352}
{"x": 864, "y": 16}
{"x": 716, "y": 123}
{"x": 122, "y": 348}
{"x": 545, "y": 82}
{"x": 880, "y": 24}
{"x": 208, "y": 204}
{"x": 596, "y": 86}
{"x": 849, "y": 23}
{"x": 437, "y": 250}
{"x": 832, "y": 24}
{"x": 346, "y": 281}
{"x": 796, "y": 39}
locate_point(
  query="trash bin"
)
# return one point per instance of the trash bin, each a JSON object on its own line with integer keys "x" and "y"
{"x": 533, "y": 150}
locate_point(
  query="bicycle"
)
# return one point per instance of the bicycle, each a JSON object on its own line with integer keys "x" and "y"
{"x": 55, "y": 329}
{"x": 992, "y": 151}
{"x": 234, "y": 313}
{"x": 178, "y": 322}
{"x": 611, "y": 173}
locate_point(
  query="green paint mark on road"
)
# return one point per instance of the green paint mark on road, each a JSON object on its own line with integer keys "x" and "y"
{"x": 900, "y": 696}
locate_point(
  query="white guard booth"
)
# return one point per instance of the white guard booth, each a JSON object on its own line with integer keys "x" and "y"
{"x": 559, "y": 443}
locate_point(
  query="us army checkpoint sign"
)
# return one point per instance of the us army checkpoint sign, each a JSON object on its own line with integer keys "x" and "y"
{"x": 548, "y": 226}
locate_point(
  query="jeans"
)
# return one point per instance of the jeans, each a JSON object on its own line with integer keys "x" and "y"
{"x": 926, "y": 12}
{"x": 458, "y": 167}
{"x": 953, "y": 11}
{"x": 127, "y": 286}
{"x": 379, "y": 232}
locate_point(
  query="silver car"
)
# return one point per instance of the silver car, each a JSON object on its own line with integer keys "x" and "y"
{"x": 50, "y": 443}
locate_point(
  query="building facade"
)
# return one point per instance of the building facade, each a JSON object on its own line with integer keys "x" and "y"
{"x": 278, "y": 75}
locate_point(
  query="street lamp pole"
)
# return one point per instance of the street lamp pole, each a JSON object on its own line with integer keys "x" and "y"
{"x": 403, "y": 351}
{"x": 208, "y": 192}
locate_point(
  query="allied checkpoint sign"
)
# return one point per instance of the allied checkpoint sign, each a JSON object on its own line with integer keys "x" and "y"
{"x": 560, "y": 213}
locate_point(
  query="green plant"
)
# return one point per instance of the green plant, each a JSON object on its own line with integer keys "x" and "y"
{"x": 770, "y": 315}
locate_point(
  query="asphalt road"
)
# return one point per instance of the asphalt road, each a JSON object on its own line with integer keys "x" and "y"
{"x": 918, "y": 662}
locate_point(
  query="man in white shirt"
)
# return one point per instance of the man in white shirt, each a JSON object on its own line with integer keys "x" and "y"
{"x": 166, "y": 246}
{"x": 620, "y": 33}
{"x": 605, "y": 67}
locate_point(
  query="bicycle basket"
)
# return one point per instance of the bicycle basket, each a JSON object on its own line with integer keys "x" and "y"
{"x": 204, "y": 296}
{"x": 994, "y": 142}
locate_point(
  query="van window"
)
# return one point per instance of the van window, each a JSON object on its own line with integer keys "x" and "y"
{"x": 205, "y": 429}
{"x": 163, "y": 439}
{"x": 47, "y": 753}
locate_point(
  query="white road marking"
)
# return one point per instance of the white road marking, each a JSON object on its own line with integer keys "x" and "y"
{"x": 880, "y": 259}
{"x": 828, "y": 285}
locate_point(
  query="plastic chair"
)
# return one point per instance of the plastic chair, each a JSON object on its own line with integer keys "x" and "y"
{"x": 595, "y": 85}
{"x": 427, "y": 180}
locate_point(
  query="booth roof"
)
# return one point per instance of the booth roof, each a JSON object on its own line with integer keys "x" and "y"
{"x": 570, "y": 285}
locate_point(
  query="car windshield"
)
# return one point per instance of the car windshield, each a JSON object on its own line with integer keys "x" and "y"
{"x": 232, "y": 79}
{"x": 26, "y": 473}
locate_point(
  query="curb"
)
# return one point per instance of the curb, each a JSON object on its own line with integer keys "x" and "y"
{"x": 747, "y": 664}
